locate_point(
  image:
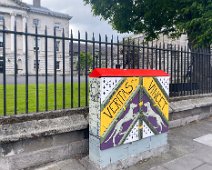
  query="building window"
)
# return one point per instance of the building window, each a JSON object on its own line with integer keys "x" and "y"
{"x": 169, "y": 46}
{"x": 58, "y": 65}
{"x": 1, "y": 40}
{"x": 1, "y": 64}
{"x": 36, "y": 64}
{"x": 75, "y": 53}
{"x": 57, "y": 46}
{"x": 19, "y": 64}
{"x": 57, "y": 26}
{"x": 36, "y": 22}
{"x": 38, "y": 45}
{"x": 1, "y": 28}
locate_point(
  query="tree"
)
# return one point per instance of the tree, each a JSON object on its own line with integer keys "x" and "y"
{"x": 169, "y": 17}
{"x": 83, "y": 57}
{"x": 153, "y": 17}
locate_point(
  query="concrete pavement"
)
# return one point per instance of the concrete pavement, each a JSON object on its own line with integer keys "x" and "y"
{"x": 184, "y": 153}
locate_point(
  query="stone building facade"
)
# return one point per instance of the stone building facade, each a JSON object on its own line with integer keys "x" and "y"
{"x": 15, "y": 12}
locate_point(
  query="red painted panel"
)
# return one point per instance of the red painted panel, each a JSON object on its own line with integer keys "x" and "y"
{"x": 108, "y": 72}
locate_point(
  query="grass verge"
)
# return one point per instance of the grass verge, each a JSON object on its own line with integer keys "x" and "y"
{"x": 21, "y": 97}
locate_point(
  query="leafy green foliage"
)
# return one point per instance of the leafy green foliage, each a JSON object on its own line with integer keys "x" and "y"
{"x": 83, "y": 57}
{"x": 153, "y": 17}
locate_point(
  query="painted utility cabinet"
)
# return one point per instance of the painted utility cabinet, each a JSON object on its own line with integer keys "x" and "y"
{"x": 128, "y": 113}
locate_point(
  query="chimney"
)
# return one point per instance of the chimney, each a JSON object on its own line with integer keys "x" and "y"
{"x": 36, "y": 3}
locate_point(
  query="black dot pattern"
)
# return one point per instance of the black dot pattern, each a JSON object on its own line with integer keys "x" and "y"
{"x": 108, "y": 84}
{"x": 164, "y": 81}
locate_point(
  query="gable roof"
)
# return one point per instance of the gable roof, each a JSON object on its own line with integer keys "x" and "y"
{"x": 20, "y": 3}
{"x": 16, "y": 4}
{"x": 41, "y": 10}
{"x": 46, "y": 11}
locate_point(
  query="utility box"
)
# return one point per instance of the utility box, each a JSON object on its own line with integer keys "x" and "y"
{"x": 128, "y": 114}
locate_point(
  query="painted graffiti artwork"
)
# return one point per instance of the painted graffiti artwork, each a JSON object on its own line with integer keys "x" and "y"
{"x": 155, "y": 108}
{"x": 129, "y": 108}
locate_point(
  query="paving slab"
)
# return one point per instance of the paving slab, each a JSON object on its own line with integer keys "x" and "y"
{"x": 159, "y": 168}
{"x": 71, "y": 164}
{"x": 204, "y": 167}
{"x": 186, "y": 162}
{"x": 204, "y": 154}
{"x": 206, "y": 139}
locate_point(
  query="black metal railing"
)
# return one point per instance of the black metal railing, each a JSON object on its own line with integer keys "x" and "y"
{"x": 48, "y": 70}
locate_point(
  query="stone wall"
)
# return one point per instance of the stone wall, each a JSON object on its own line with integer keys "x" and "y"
{"x": 27, "y": 141}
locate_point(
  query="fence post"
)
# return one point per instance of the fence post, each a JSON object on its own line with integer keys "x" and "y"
{"x": 55, "y": 69}
{"x": 4, "y": 70}
{"x": 27, "y": 68}
{"x": 72, "y": 70}
{"x": 15, "y": 69}
{"x": 46, "y": 69}
{"x": 64, "y": 67}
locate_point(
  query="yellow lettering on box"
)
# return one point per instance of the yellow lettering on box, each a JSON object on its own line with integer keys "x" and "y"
{"x": 117, "y": 102}
{"x": 156, "y": 94}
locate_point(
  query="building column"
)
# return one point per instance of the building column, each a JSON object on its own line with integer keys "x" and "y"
{"x": 12, "y": 29}
{"x": 24, "y": 21}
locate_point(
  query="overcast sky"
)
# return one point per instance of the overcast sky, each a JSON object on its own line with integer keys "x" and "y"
{"x": 83, "y": 18}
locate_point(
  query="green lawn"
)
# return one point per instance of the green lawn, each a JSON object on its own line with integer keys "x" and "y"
{"x": 21, "y": 93}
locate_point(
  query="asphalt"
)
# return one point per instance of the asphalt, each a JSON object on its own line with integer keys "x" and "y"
{"x": 184, "y": 153}
{"x": 41, "y": 79}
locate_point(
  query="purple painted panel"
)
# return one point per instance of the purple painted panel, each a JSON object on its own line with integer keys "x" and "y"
{"x": 122, "y": 125}
{"x": 153, "y": 116}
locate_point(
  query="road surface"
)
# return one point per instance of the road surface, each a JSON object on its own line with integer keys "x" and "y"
{"x": 32, "y": 79}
